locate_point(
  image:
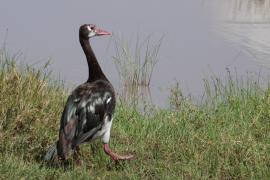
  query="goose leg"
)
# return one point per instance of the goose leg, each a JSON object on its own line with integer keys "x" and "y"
{"x": 66, "y": 135}
{"x": 76, "y": 156}
{"x": 115, "y": 156}
{"x": 105, "y": 139}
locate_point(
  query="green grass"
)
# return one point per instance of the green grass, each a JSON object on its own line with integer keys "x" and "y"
{"x": 226, "y": 137}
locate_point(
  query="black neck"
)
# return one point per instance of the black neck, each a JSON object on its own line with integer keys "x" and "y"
{"x": 95, "y": 72}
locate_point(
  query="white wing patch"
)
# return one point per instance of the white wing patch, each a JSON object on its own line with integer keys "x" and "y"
{"x": 83, "y": 104}
{"x": 92, "y": 108}
{"x": 97, "y": 99}
{"x": 91, "y": 34}
{"x": 107, "y": 97}
{"x": 108, "y": 100}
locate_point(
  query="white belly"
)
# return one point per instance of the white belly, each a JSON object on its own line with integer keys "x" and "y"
{"x": 105, "y": 131}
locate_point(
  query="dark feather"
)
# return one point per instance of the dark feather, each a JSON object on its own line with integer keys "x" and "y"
{"x": 84, "y": 113}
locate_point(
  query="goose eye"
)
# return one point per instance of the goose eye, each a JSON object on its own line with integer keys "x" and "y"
{"x": 90, "y": 28}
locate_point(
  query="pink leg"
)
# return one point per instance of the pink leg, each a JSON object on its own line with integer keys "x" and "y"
{"x": 115, "y": 156}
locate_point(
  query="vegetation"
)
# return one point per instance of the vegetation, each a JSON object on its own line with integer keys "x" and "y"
{"x": 135, "y": 67}
{"x": 135, "y": 64}
{"x": 225, "y": 137}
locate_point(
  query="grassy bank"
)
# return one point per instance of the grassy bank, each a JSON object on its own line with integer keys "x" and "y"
{"x": 228, "y": 136}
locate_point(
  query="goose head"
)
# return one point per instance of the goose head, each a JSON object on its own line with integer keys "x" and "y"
{"x": 90, "y": 30}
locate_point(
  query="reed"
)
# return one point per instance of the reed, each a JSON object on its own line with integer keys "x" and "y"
{"x": 136, "y": 62}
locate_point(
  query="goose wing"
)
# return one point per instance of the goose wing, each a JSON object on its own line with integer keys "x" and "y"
{"x": 84, "y": 114}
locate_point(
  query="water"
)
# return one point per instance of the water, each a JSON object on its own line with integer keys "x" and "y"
{"x": 251, "y": 11}
{"x": 192, "y": 49}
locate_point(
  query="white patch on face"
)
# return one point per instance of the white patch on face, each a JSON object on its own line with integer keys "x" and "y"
{"x": 91, "y": 33}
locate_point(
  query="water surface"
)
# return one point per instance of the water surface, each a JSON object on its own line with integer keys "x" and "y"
{"x": 192, "y": 47}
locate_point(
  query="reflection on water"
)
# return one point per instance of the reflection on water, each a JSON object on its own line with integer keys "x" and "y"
{"x": 187, "y": 51}
{"x": 246, "y": 27}
{"x": 256, "y": 11}
{"x": 250, "y": 10}
{"x": 253, "y": 38}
